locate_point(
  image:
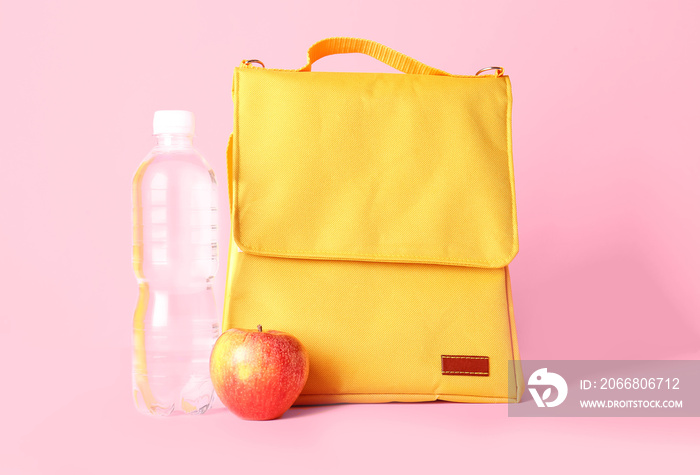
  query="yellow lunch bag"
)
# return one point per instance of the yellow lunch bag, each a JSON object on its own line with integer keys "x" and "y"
{"x": 375, "y": 216}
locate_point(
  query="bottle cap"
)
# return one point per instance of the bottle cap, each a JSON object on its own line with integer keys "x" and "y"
{"x": 173, "y": 122}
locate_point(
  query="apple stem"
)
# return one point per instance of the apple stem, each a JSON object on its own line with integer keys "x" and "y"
{"x": 259, "y": 328}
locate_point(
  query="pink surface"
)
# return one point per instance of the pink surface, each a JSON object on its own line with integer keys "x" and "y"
{"x": 606, "y": 161}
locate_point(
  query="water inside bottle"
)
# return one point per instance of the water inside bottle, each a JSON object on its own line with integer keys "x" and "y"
{"x": 175, "y": 259}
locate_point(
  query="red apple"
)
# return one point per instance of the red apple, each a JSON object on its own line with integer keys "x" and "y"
{"x": 258, "y": 374}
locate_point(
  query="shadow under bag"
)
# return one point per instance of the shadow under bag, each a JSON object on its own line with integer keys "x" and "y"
{"x": 376, "y": 218}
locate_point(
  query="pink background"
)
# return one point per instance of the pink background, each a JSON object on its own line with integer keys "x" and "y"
{"x": 607, "y": 165}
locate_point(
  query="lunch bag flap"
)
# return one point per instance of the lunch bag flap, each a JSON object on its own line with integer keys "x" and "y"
{"x": 342, "y": 166}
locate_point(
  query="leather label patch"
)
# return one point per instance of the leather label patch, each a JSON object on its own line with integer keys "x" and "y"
{"x": 465, "y": 365}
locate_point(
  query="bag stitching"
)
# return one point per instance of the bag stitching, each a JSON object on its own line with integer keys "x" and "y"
{"x": 466, "y": 372}
{"x": 336, "y": 395}
{"x": 309, "y": 254}
{"x": 511, "y": 328}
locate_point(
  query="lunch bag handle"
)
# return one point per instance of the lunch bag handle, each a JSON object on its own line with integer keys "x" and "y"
{"x": 388, "y": 56}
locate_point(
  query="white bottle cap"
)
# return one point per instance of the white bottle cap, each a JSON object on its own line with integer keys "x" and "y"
{"x": 173, "y": 122}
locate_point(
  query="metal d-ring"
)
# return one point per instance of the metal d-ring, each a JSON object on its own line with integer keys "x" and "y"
{"x": 498, "y": 69}
{"x": 255, "y": 61}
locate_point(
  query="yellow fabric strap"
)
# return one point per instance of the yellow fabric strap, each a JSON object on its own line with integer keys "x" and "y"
{"x": 388, "y": 56}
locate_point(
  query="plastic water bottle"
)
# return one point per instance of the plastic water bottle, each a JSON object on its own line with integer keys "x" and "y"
{"x": 175, "y": 258}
